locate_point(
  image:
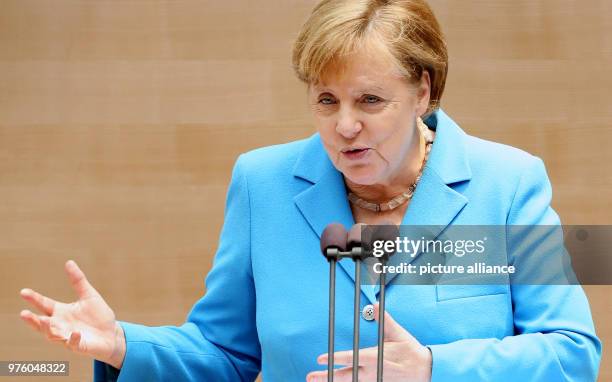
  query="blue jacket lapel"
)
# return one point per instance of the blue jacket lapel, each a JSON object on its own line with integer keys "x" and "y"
{"x": 435, "y": 203}
{"x": 325, "y": 201}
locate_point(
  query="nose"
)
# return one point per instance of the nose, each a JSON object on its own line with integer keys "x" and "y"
{"x": 348, "y": 126}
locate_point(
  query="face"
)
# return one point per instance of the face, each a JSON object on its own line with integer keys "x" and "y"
{"x": 366, "y": 117}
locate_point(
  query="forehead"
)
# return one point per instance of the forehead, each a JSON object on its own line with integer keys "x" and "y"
{"x": 359, "y": 72}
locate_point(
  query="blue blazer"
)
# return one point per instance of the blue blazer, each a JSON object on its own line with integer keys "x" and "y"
{"x": 265, "y": 308}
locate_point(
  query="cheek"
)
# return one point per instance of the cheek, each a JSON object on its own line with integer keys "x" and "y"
{"x": 395, "y": 143}
{"x": 391, "y": 134}
{"x": 322, "y": 123}
{"x": 327, "y": 134}
{"x": 329, "y": 141}
{"x": 327, "y": 129}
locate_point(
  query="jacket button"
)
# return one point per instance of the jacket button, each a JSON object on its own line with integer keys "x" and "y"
{"x": 368, "y": 312}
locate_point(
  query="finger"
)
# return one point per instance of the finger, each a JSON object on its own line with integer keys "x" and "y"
{"x": 366, "y": 356}
{"x": 344, "y": 374}
{"x": 44, "y": 304}
{"x": 50, "y": 330}
{"x": 74, "y": 340}
{"x": 78, "y": 280}
{"x": 394, "y": 332}
{"x": 31, "y": 319}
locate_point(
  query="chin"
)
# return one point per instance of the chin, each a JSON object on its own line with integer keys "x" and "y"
{"x": 364, "y": 178}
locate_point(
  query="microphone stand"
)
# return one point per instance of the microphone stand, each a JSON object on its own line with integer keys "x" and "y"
{"x": 386, "y": 231}
{"x": 333, "y": 245}
{"x": 381, "y": 324}
{"x": 333, "y": 254}
{"x": 332, "y": 318}
{"x": 356, "y": 306}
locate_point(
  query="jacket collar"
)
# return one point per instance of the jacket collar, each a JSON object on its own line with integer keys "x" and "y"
{"x": 434, "y": 203}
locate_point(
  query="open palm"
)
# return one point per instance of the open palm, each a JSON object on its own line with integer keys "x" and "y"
{"x": 86, "y": 326}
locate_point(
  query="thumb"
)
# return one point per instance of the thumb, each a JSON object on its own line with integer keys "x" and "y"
{"x": 394, "y": 332}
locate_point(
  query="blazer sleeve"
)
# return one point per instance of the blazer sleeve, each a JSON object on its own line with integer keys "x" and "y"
{"x": 218, "y": 341}
{"x": 554, "y": 337}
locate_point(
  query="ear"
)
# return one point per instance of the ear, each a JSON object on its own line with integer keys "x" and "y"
{"x": 423, "y": 93}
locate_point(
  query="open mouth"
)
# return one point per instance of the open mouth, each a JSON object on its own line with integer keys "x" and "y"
{"x": 356, "y": 153}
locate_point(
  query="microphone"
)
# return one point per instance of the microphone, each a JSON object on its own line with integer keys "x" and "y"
{"x": 333, "y": 242}
{"x": 386, "y": 231}
{"x": 357, "y": 243}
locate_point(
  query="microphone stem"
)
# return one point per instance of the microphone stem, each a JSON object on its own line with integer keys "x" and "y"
{"x": 332, "y": 320}
{"x": 356, "y": 308}
{"x": 381, "y": 325}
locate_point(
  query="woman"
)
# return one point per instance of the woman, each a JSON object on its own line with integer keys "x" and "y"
{"x": 375, "y": 72}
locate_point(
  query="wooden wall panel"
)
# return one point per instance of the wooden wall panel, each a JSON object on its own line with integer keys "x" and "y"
{"x": 120, "y": 122}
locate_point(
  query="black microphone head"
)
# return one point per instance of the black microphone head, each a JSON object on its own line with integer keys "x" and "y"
{"x": 383, "y": 231}
{"x": 333, "y": 236}
{"x": 355, "y": 236}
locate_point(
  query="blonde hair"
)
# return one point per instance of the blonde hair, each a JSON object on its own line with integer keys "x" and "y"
{"x": 403, "y": 32}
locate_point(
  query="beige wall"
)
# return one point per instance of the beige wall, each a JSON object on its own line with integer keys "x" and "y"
{"x": 120, "y": 121}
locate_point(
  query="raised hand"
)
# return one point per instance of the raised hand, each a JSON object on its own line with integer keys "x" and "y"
{"x": 87, "y": 325}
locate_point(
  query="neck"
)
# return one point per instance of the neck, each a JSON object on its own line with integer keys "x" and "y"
{"x": 399, "y": 182}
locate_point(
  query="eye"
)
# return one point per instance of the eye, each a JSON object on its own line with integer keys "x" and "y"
{"x": 326, "y": 101}
{"x": 371, "y": 99}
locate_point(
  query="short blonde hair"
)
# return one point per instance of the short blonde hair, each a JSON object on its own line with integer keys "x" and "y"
{"x": 403, "y": 32}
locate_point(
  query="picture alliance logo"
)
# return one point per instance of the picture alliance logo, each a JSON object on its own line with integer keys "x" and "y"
{"x": 411, "y": 247}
